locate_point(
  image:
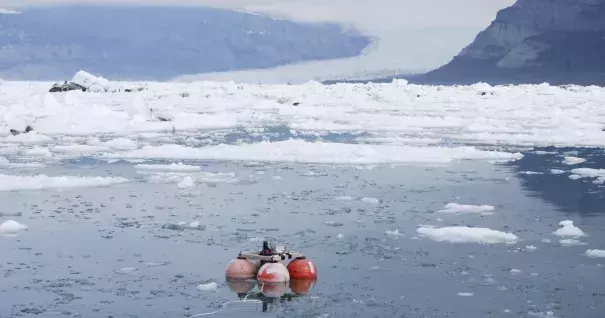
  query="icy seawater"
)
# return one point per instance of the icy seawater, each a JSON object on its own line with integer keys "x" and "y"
{"x": 381, "y": 237}
{"x": 412, "y": 201}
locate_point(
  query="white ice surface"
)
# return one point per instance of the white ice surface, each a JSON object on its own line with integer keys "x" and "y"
{"x": 569, "y": 229}
{"x": 315, "y": 152}
{"x": 387, "y": 123}
{"x": 467, "y": 209}
{"x": 40, "y": 182}
{"x": 463, "y": 234}
{"x": 595, "y": 253}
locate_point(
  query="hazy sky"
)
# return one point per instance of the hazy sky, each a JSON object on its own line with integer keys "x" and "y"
{"x": 414, "y": 35}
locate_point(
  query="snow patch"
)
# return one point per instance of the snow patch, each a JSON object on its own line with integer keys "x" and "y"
{"x": 463, "y": 234}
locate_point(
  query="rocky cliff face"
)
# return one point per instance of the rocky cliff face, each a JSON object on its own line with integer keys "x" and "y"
{"x": 555, "y": 41}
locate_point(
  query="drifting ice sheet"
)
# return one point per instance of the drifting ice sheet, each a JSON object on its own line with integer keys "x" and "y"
{"x": 316, "y": 152}
{"x": 173, "y": 167}
{"x": 11, "y": 227}
{"x": 595, "y": 253}
{"x": 465, "y": 209}
{"x": 39, "y": 182}
{"x": 463, "y": 234}
{"x": 573, "y": 160}
{"x": 569, "y": 229}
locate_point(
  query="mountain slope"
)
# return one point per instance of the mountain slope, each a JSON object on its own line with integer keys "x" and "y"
{"x": 533, "y": 41}
{"x": 158, "y": 43}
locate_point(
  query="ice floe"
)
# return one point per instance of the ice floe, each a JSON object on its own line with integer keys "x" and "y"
{"x": 571, "y": 242}
{"x": 212, "y": 286}
{"x": 599, "y": 174}
{"x": 315, "y": 152}
{"x": 557, "y": 171}
{"x": 573, "y": 160}
{"x": 12, "y": 227}
{"x": 595, "y": 253}
{"x": 175, "y": 167}
{"x": 467, "y": 209}
{"x": 463, "y": 234}
{"x": 569, "y": 229}
{"x": 386, "y": 123}
{"x": 40, "y": 182}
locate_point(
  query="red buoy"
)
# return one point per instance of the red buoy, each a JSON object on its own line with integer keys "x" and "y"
{"x": 302, "y": 268}
{"x": 241, "y": 268}
{"x": 273, "y": 273}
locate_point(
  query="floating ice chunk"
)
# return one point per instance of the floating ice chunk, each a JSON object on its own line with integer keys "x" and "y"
{"x": 573, "y": 160}
{"x": 344, "y": 198}
{"x": 340, "y": 236}
{"x": 557, "y": 171}
{"x": 333, "y": 223}
{"x": 465, "y": 209}
{"x": 7, "y": 11}
{"x": 393, "y": 233}
{"x": 515, "y": 271}
{"x": 156, "y": 264}
{"x": 208, "y": 287}
{"x": 31, "y": 138}
{"x": 11, "y": 227}
{"x": 370, "y": 200}
{"x": 530, "y": 172}
{"x": 589, "y": 172}
{"x": 574, "y": 176}
{"x": 175, "y": 167}
{"x": 568, "y": 229}
{"x": 187, "y": 182}
{"x": 316, "y": 152}
{"x": 196, "y": 225}
{"x": 40, "y": 182}
{"x": 571, "y": 242}
{"x": 466, "y": 294}
{"x": 277, "y": 178}
{"x": 463, "y": 234}
{"x": 530, "y": 248}
{"x": 127, "y": 271}
{"x": 595, "y": 253}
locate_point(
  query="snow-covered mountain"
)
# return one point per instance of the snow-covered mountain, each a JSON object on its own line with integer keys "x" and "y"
{"x": 158, "y": 43}
{"x": 556, "y": 41}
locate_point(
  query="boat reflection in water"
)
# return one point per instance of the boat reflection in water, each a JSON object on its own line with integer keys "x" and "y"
{"x": 270, "y": 294}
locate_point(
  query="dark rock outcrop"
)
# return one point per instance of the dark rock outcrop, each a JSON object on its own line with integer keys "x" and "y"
{"x": 534, "y": 41}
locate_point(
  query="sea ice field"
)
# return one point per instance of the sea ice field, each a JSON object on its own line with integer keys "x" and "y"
{"x": 413, "y": 201}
